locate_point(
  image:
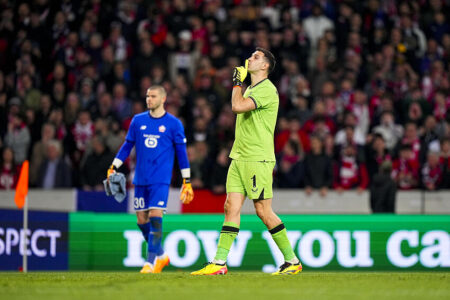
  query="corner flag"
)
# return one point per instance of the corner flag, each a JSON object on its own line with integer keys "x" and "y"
{"x": 22, "y": 186}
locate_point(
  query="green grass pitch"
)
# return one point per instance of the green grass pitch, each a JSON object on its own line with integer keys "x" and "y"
{"x": 235, "y": 285}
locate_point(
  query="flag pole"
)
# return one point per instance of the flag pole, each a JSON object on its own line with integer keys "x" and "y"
{"x": 21, "y": 200}
{"x": 24, "y": 242}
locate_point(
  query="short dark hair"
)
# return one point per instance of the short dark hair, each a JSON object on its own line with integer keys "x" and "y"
{"x": 270, "y": 58}
{"x": 378, "y": 136}
{"x": 159, "y": 88}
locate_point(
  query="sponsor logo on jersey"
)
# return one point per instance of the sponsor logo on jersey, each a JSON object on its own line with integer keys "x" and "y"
{"x": 151, "y": 141}
{"x": 162, "y": 128}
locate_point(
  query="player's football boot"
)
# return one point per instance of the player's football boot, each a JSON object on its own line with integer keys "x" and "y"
{"x": 289, "y": 269}
{"x": 160, "y": 263}
{"x": 147, "y": 268}
{"x": 212, "y": 269}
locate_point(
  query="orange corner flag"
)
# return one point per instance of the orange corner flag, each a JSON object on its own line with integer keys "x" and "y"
{"x": 22, "y": 186}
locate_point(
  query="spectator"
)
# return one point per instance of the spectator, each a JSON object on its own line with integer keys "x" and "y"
{"x": 59, "y": 74}
{"x": 301, "y": 110}
{"x": 9, "y": 172}
{"x": 18, "y": 138}
{"x": 34, "y": 127}
{"x": 182, "y": 60}
{"x": 411, "y": 138}
{"x": 357, "y": 135}
{"x": 144, "y": 60}
{"x": 108, "y": 131}
{"x": 56, "y": 117}
{"x": 117, "y": 41}
{"x": 104, "y": 108}
{"x": 290, "y": 171}
{"x": 86, "y": 96}
{"x": 377, "y": 154}
{"x": 121, "y": 104}
{"x": 319, "y": 124}
{"x": 200, "y": 132}
{"x": 348, "y": 139}
{"x": 383, "y": 190}
{"x": 94, "y": 49}
{"x": 292, "y": 132}
{"x": 350, "y": 172}
{"x": 219, "y": 172}
{"x": 405, "y": 169}
{"x": 318, "y": 169}
{"x": 83, "y": 130}
{"x": 54, "y": 171}
{"x": 72, "y": 108}
{"x": 197, "y": 168}
{"x": 415, "y": 113}
{"x": 432, "y": 172}
{"x": 379, "y": 105}
{"x": 390, "y": 131}
{"x": 58, "y": 94}
{"x": 3, "y": 113}
{"x": 29, "y": 93}
{"x": 445, "y": 162}
{"x": 39, "y": 151}
{"x": 45, "y": 107}
{"x": 316, "y": 25}
{"x": 429, "y": 135}
{"x": 137, "y": 108}
{"x": 360, "y": 109}
{"x": 94, "y": 168}
{"x": 289, "y": 80}
{"x": 439, "y": 27}
{"x": 441, "y": 105}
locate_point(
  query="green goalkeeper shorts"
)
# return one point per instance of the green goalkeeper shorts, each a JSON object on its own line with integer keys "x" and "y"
{"x": 250, "y": 178}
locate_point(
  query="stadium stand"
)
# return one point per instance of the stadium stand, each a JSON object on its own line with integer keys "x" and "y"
{"x": 368, "y": 80}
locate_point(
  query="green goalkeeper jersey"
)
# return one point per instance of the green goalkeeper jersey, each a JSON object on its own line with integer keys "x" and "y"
{"x": 254, "y": 134}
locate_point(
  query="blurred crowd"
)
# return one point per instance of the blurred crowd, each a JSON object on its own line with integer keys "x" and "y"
{"x": 361, "y": 84}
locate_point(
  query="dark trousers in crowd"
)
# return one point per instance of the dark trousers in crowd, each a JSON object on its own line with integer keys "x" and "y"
{"x": 383, "y": 192}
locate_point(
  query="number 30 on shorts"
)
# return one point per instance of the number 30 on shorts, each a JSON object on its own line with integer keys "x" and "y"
{"x": 139, "y": 203}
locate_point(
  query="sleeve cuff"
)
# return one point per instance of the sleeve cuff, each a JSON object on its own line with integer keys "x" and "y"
{"x": 186, "y": 173}
{"x": 117, "y": 162}
{"x": 254, "y": 101}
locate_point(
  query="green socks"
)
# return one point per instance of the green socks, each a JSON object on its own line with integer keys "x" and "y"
{"x": 229, "y": 232}
{"x": 279, "y": 235}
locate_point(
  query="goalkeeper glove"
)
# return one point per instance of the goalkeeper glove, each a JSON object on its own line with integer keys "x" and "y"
{"x": 239, "y": 74}
{"x": 112, "y": 169}
{"x": 187, "y": 194}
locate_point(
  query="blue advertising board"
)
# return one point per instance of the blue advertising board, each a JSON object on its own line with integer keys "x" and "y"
{"x": 46, "y": 240}
{"x": 99, "y": 202}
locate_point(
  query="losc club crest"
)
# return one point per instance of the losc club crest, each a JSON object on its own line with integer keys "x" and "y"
{"x": 162, "y": 128}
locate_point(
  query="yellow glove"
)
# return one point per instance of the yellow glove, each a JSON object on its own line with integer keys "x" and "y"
{"x": 112, "y": 169}
{"x": 239, "y": 74}
{"x": 187, "y": 193}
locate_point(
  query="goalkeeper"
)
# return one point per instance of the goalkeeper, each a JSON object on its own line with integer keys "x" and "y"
{"x": 253, "y": 160}
{"x": 156, "y": 136}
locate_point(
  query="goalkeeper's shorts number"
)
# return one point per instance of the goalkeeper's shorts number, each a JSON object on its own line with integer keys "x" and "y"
{"x": 139, "y": 203}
